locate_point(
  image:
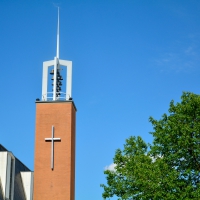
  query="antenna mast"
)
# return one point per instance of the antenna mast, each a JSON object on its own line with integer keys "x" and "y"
{"x": 58, "y": 36}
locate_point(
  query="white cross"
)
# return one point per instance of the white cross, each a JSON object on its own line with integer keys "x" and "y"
{"x": 52, "y": 139}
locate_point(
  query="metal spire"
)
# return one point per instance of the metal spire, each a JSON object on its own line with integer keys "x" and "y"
{"x": 57, "y": 93}
{"x": 58, "y": 37}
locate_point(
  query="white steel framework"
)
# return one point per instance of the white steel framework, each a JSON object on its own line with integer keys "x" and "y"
{"x": 57, "y": 95}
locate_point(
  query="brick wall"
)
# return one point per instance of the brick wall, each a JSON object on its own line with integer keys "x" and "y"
{"x": 58, "y": 183}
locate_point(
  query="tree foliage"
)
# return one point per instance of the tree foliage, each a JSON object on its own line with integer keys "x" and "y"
{"x": 167, "y": 169}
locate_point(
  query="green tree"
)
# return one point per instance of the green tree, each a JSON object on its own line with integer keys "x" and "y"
{"x": 167, "y": 169}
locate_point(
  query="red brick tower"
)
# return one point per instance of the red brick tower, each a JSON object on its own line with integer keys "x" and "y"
{"x": 54, "y": 166}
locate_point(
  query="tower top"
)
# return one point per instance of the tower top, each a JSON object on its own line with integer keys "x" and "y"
{"x": 54, "y": 67}
{"x": 58, "y": 36}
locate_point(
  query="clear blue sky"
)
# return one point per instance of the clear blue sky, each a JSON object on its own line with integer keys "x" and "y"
{"x": 130, "y": 59}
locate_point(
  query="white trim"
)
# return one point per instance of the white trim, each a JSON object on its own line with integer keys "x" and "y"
{"x": 56, "y": 63}
{"x": 3, "y": 169}
{"x": 46, "y": 65}
{"x": 5, "y": 166}
{"x": 13, "y": 175}
{"x": 68, "y": 65}
{"x": 27, "y": 180}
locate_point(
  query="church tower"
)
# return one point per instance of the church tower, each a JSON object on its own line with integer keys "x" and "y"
{"x": 54, "y": 165}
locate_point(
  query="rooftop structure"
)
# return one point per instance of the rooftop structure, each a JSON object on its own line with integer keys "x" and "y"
{"x": 16, "y": 180}
{"x": 57, "y": 92}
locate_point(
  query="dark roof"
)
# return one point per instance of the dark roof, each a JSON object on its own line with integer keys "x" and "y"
{"x": 2, "y": 148}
